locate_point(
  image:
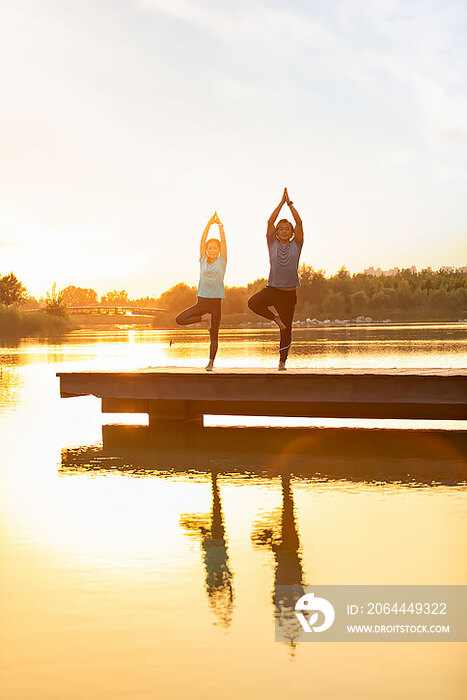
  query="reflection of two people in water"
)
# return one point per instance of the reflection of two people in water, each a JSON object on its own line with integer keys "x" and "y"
{"x": 280, "y": 536}
{"x": 142, "y": 449}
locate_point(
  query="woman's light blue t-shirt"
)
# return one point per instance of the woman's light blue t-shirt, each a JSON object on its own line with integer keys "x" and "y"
{"x": 211, "y": 278}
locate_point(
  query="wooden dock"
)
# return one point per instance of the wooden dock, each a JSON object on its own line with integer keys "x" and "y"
{"x": 174, "y": 394}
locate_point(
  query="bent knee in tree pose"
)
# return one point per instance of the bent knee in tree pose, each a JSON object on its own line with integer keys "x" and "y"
{"x": 212, "y": 264}
{"x": 285, "y": 246}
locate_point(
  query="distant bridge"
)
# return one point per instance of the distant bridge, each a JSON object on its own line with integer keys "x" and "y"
{"x": 117, "y": 310}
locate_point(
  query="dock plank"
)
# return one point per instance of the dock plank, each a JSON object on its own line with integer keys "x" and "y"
{"x": 188, "y": 393}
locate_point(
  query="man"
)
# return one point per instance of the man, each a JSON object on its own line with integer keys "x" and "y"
{"x": 285, "y": 246}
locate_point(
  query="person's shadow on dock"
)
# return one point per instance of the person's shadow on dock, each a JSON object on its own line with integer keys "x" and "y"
{"x": 210, "y": 531}
{"x": 282, "y": 538}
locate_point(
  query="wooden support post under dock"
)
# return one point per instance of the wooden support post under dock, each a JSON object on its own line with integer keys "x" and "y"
{"x": 173, "y": 394}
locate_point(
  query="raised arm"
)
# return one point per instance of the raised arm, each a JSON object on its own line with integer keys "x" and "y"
{"x": 271, "y": 230}
{"x": 202, "y": 245}
{"x": 298, "y": 231}
{"x": 223, "y": 241}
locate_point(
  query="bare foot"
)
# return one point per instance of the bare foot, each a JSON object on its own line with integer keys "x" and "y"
{"x": 282, "y": 326}
{"x": 282, "y": 367}
{"x": 210, "y": 366}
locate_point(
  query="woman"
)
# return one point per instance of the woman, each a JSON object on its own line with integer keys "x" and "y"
{"x": 212, "y": 264}
{"x": 285, "y": 245}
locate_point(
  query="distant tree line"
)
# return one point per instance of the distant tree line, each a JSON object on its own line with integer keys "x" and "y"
{"x": 406, "y": 296}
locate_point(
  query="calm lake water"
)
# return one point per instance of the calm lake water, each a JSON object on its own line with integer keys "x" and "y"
{"x": 124, "y": 576}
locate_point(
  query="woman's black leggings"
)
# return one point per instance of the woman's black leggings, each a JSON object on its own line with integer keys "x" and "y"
{"x": 194, "y": 313}
{"x": 284, "y": 302}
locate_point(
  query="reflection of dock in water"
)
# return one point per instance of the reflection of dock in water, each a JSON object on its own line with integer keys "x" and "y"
{"x": 347, "y": 453}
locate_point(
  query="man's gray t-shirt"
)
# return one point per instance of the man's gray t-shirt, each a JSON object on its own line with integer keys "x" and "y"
{"x": 284, "y": 259}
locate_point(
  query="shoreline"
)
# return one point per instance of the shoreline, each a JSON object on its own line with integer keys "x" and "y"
{"x": 124, "y": 323}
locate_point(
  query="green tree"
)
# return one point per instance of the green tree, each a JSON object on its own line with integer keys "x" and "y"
{"x": 12, "y": 291}
{"x": 235, "y": 300}
{"x": 460, "y": 301}
{"x": 440, "y": 301}
{"x": 334, "y": 304}
{"x": 342, "y": 283}
{"x": 79, "y": 296}
{"x": 314, "y": 286}
{"x": 419, "y": 299}
{"x": 253, "y": 287}
{"x": 115, "y": 298}
{"x": 360, "y": 302}
{"x": 384, "y": 299}
{"x": 54, "y": 303}
{"x": 404, "y": 294}
{"x": 146, "y": 302}
{"x": 381, "y": 300}
{"x": 177, "y": 298}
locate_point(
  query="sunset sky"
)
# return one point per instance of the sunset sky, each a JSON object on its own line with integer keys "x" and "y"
{"x": 125, "y": 123}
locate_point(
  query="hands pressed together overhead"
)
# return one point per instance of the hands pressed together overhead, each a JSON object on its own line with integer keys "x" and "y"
{"x": 285, "y": 198}
{"x": 215, "y": 220}
{"x": 223, "y": 245}
{"x": 298, "y": 231}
